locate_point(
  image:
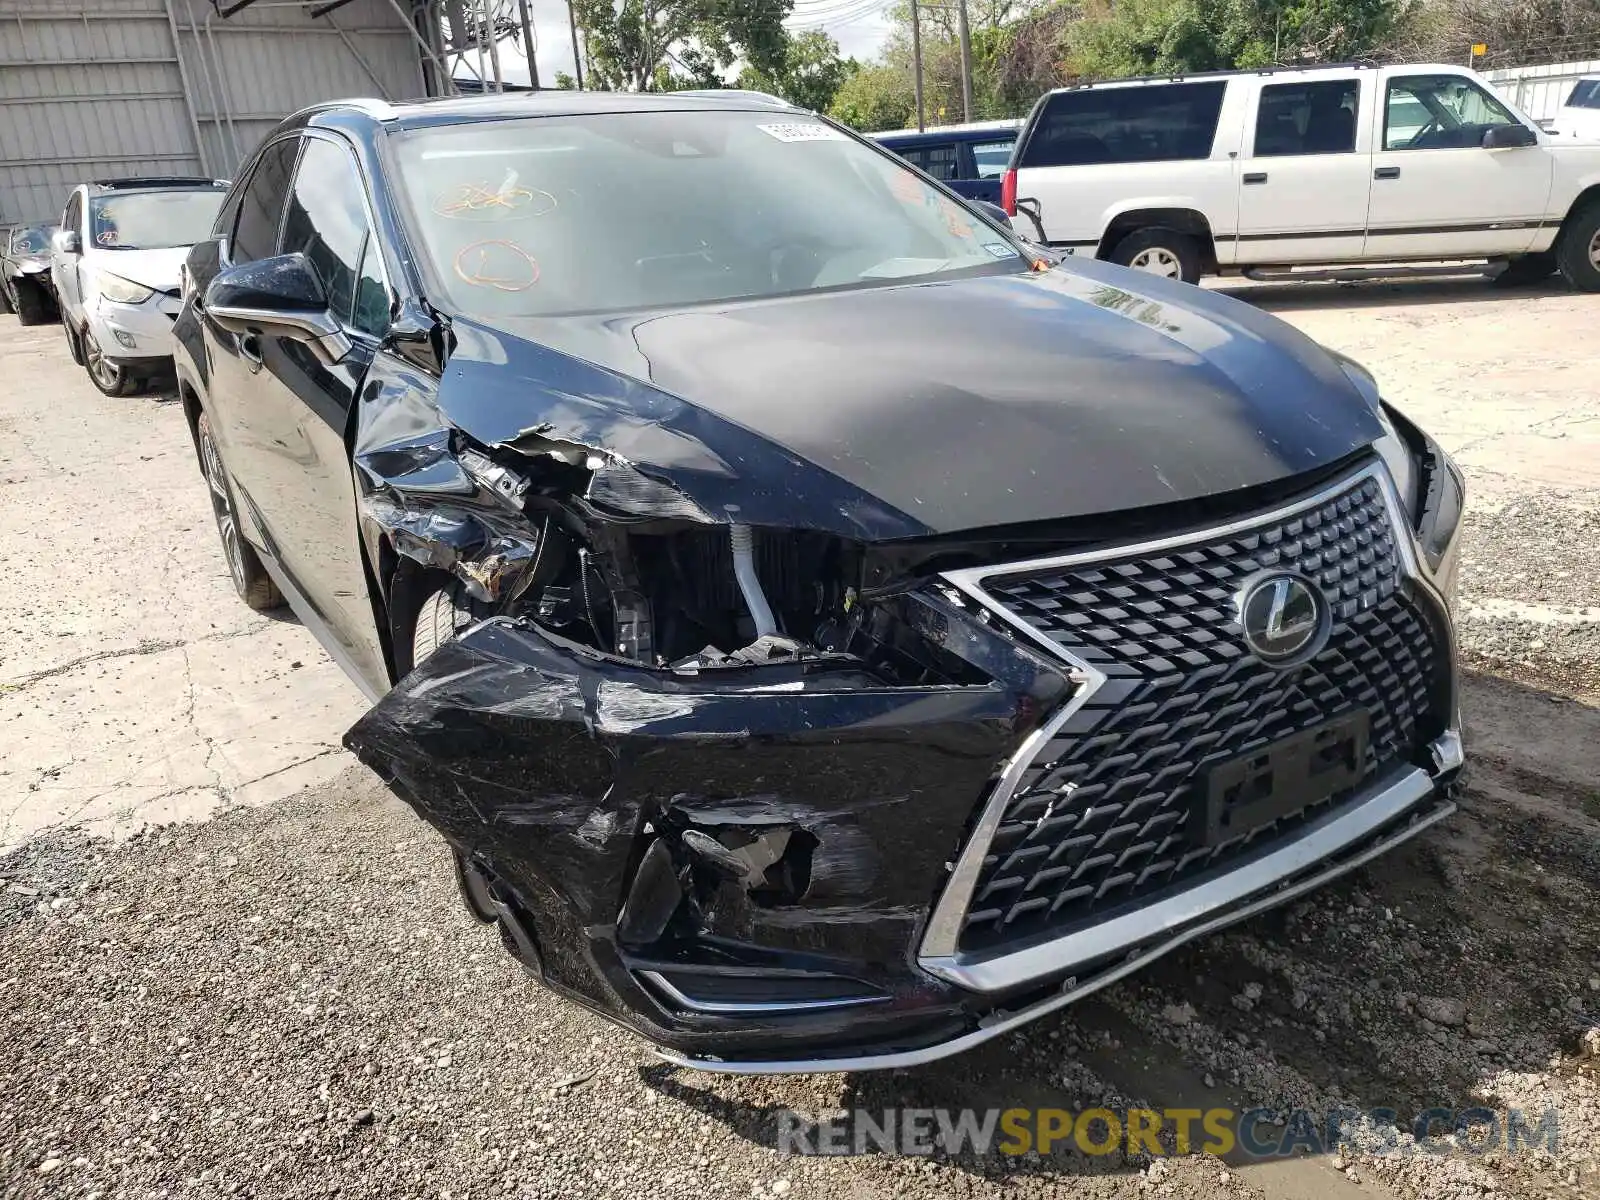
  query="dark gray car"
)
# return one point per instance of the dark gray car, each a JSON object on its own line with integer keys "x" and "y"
{"x": 25, "y": 287}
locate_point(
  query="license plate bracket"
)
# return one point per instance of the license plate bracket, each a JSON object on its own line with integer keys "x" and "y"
{"x": 1282, "y": 778}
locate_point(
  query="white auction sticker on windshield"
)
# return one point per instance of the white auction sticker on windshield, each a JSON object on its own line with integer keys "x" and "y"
{"x": 797, "y": 131}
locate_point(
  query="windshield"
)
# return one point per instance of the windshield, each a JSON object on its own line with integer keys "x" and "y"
{"x": 33, "y": 240}
{"x": 556, "y": 215}
{"x": 153, "y": 220}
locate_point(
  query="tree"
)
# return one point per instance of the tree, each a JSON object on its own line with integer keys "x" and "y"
{"x": 877, "y": 96}
{"x": 1143, "y": 37}
{"x": 1517, "y": 32}
{"x": 810, "y": 75}
{"x": 652, "y": 45}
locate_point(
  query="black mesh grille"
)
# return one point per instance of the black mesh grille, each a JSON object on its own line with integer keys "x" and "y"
{"x": 1102, "y": 815}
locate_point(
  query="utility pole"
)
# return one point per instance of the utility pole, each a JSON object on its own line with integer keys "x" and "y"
{"x": 528, "y": 44}
{"x": 966, "y": 59}
{"x": 916, "y": 60}
{"x": 492, "y": 31}
{"x": 577, "y": 59}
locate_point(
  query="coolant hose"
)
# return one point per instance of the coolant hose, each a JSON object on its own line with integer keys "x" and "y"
{"x": 744, "y": 570}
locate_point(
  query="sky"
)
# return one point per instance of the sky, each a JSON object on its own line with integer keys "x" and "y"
{"x": 860, "y": 37}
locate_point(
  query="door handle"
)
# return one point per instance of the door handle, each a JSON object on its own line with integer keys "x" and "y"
{"x": 1256, "y": 177}
{"x": 1386, "y": 173}
{"x": 249, "y": 345}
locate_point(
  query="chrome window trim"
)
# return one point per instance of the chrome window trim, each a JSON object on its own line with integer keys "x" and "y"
{"x": 938, "y": 953}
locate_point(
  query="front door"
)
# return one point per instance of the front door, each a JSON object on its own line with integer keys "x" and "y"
{"x": 1304, "y": 182}
{"x": 64, "y": 268}
{"x": 302, "y": 407}
{"x": 1436, "y": 192}
{"x": 234, "y": 360}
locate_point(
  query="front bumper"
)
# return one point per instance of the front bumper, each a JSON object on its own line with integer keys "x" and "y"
{"x": 771, "y": 873}
{"x": 138, "y": 336}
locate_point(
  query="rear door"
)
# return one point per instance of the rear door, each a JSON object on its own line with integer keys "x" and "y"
{"x": 988, "y": 160}
{"x": 942, "y": 160}
{"x": 1436, "y": 192}
{"x": 303, "y": 407}
{"x": 1091, "y": 153}
{"x": 1306, "y": 176}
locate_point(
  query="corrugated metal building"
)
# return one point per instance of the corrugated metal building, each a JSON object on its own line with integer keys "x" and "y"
{"x": 105, "y": 88}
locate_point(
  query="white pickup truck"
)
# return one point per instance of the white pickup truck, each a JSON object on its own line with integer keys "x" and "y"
{"x": 1332, "y": 166}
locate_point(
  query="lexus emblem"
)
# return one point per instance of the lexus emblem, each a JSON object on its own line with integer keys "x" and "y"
{"x": 1284, "y": 617}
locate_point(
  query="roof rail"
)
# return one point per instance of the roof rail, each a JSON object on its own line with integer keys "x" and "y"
{"x": 380, "y": 110}
{"x": 156, "y": 181}
{"x": 1361, "y": 64}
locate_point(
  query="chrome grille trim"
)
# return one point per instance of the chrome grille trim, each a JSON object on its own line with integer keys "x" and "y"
{"x": 939, "y": 952}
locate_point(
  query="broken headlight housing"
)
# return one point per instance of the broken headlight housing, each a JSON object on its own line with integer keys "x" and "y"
{"x": 1429, "y": 483}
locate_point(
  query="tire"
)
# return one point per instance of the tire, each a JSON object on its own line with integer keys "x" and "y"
{"x": 107, "y": 376}
{"x": 5, "y": 300}
{"x": 33, "y": 303}
{"x": 1579, "y": 251}
{"x": 1164, "y": 252}
{"x": 250, "y": 578}
{"x": 1526, "y": 269}
{"x": 442, "y": 616}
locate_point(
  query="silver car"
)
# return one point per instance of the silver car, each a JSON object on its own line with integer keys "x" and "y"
{"x": 115, "y": 264}
{"x": 25, "y": 273}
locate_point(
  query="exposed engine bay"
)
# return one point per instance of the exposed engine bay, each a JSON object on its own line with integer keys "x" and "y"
{"x": 586, "y": 546}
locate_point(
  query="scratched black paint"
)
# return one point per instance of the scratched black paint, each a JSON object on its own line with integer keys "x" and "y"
{"x": 913, "y": 420}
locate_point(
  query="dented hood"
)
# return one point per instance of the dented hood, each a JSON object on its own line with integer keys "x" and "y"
{"x": 155, "y": 269}
{"x": 927, "y": 408}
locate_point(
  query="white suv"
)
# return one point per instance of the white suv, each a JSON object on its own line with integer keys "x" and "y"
{"x": 115, "y": 262}
{"x": 1580, "y": 115}
{"x": 1327, "y": 166}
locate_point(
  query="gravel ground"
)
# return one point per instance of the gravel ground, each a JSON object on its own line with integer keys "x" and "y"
{"x": 289, "y": 1001}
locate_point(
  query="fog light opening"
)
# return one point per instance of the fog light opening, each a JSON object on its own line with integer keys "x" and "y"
{"x": 125, "y": 339}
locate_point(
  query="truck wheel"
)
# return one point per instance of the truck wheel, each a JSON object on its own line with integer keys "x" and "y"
{"x": 1164, "y": 252}
{"x": 1580, "y": 250}
{"x": 33, "y": 306}
{"x": 1526, "y": 269}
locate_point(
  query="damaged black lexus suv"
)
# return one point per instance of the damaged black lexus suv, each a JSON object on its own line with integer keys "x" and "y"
{"x": 828, "y": 632}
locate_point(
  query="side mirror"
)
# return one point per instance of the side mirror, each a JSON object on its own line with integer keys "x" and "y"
{"x": 1509, "y": 137}
{"x": 66, "y": 241}
{"x": 994, "y": 212}
{"x": 277, "y": 297}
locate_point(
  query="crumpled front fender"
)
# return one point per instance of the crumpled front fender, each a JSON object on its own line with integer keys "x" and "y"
{"x": 557, "y": 767}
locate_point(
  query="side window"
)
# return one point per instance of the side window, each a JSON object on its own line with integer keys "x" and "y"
{"x": 992, "y": 157}
{"x": 1157, "y": 123}
{"x": 1307, "y": 118}
{"x": 327, "y": 222}
{"x": 1585, "y": 94}
{"x": 72, "y": 219}
{"x": 372, "y": 294}
{"x": 261, "y": 207}
{"x": 942, "y": 161}
{"x": 1439, "y": 112}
